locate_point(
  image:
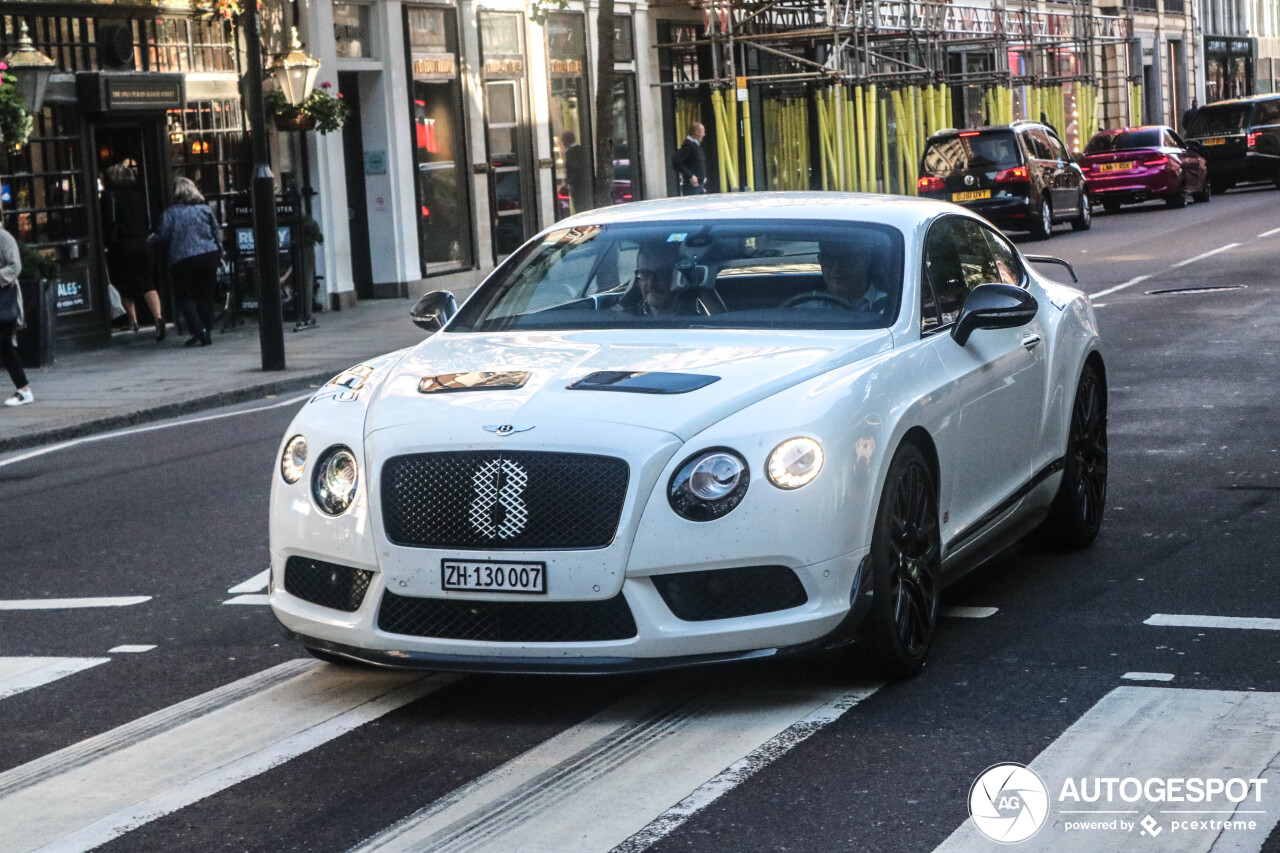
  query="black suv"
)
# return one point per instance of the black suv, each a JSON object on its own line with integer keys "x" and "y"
{"x": 1018, "y": 176}
{"x": 1239, "y": 139}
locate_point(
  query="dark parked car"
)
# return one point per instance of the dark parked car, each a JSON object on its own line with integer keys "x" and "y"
{"x": 1018, "y": 176}
{"x": 1240, "y": 140}
{"x": 1137, "y": 164}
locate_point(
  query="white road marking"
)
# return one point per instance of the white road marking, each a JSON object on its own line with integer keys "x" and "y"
{"x": 19, "y": 674}
{"x": 257, "y": 583}
{"x": 1269, "y": 233}
{"x": 1148, "y": 676}
{"x": 634, "y": 771}
{"x": 129, "y": 650}
{"x": 970, "y": 612}
{"x": 70, "y": 603}
{"x": 1110, "y": 290}
{"x": 76, "y": 442}
{"x": 1154, "y": 733}
{"x": 249, "y": 599}
{"x": 105, "y": 790}
{"x": 1254, "y": 623}
{"x": 1203, "y": 255}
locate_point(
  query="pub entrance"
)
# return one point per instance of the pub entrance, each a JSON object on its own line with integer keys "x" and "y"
{"x": 139, "y": 144}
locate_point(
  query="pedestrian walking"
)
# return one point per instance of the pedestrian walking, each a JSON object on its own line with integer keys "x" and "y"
{"x": 1190, "y": 115}
{"x": 690, "y": 162}
{"x": 577, "y": 180}
{"x": 125, "y": 229}
{"x": 192, "y": 235}
{"x": 11, "y": 317}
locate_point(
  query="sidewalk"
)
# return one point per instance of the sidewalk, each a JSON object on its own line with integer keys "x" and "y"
{"x": 135, "y": 379}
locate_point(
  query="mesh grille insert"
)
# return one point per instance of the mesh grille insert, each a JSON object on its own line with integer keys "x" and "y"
{"x": 326, "y": 584}
{"x": 728, "y": 593}
{"x": 503, "y": 500}
{"x": 507, "y": 621}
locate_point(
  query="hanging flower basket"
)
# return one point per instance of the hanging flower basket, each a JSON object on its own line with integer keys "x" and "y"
{"x": 15, "y": 122}
{"x": 321, "y": 112}
{"x": 295, "y": 120}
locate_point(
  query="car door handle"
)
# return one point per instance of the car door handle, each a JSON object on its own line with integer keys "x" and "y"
{"x": 1030, "y": 341}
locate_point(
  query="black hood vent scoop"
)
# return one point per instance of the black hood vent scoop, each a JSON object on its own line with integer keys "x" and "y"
{"x": 481, "y": 380}
{"x": 642, "y": 382}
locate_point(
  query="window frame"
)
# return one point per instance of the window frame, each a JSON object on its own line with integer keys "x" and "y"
{"x": 926, "y": 283}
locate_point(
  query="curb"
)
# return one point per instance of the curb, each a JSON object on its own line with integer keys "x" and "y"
{"x": 165, "y": 411}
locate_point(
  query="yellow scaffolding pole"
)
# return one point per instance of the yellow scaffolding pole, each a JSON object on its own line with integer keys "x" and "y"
{"x": 870, "y": 101}
{"x": 884, "y": 146}
{"x": 749, "y": 161}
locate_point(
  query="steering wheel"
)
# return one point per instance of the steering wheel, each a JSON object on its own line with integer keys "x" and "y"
{"x": 821, "y": 296}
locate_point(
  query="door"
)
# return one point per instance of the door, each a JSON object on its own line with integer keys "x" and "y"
{"x": 510, "y": 167}
{"x": 999, "y": 373}
{"x": 137, "y": 144}
{"x": 357, "y": 205}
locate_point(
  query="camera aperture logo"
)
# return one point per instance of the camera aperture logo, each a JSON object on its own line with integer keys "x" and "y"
{"x": 1008, "y": 803}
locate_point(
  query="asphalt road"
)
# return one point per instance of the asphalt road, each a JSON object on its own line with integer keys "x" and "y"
{"x": 771, "y": 757}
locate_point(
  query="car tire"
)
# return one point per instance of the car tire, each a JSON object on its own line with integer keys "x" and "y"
{"x": 1042, "y": 225}
{"x": 1204, "y": 195}
{"x": 1076, "y": 513}
{"x": 1219, "y": 187}
{"x": 1084, "y": 221}
{"x": 1111, "y": 206}
{"x": 906, "y": 559}
{"x": 1179, "y": 199}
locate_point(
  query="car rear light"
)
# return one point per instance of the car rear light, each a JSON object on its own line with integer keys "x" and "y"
{"x": 1016, "y": 175}
{"x": 966, "y": 134}
{"x": 930, "y": 184}
{"x": 1086, "y": 167}
{"x": 1252, "y": 139}
{"x": 1158, "y": 160}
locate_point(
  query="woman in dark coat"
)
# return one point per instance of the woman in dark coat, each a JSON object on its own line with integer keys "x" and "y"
{"x": 194, "y": 240}
{"x": 126, "y": 227}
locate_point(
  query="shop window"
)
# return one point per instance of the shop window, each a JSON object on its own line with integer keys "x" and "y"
{"x": 41, "y": 190}
{"x": 351, "y": 30}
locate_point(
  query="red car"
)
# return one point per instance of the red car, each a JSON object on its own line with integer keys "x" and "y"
{"x": 1137, "y": 164}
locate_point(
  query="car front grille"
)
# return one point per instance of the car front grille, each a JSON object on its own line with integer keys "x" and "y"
{"x": 503, "y": 500}
{"x": 326, "y": 584}
{"x": 729, "y": 593}
{"x": 507, "y": 621}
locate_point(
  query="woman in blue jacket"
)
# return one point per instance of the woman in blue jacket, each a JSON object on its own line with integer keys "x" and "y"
{"x": 194, "y": 239}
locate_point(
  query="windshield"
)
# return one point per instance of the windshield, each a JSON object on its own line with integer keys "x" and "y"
{"x": 1127, "y": 141}
{"x": 750, "y": 274}
{"x": 985, "y": 152}
{"x": 1212, "y": 121}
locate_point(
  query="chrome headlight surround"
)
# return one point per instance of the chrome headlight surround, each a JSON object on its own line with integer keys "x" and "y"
{"x": 293, "y": 462}
{"x": 794, "y": 463}
{"x": 335, "y": 480}
{"x": 709, "y": 484}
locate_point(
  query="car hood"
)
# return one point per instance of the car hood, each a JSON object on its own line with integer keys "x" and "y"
{"x": 747, "y": 366}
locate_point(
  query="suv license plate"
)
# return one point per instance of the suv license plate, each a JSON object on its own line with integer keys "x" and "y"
{"x": 493, "y": 576}
{"x": 971, "y": 196}
{"x": 1216, "y": 141}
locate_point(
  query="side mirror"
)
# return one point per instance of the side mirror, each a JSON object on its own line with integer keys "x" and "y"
{"x": 433, "y": 310}
{"x": 993, "y": 306}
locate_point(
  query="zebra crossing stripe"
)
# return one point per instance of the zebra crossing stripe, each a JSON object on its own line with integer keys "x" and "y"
{"x": 100, "y": 789}
{"x": 1155, "y": 733}
{"x": 23, "y": 673}
{"x": 627, "y": 776}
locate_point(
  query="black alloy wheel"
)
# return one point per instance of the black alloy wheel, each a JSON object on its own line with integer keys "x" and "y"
{"x": 906, "y": 557}
{"x": 1042, "y": 225}
{"x": 1179, "y": 199}
{"x": 1084, "y": 221}
{"x": 1076, "y": 513}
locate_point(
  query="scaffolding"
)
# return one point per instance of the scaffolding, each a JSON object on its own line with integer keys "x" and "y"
{"x": 844, "y": 95}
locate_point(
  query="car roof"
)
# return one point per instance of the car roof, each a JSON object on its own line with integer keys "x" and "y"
{"x": 902, "y": 212}
{"x": 1241, "y": 102}
{"x": 1112, "y": 131}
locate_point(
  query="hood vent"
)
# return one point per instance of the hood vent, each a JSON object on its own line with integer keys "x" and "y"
{"x": 482, "y": 380}
{"x": 642, "y": 382}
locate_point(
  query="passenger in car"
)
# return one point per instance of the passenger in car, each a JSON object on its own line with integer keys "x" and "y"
{"x": 653, "y": 292}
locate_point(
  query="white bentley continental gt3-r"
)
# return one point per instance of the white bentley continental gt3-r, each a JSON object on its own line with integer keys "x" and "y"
{"x": 695, "y": 430}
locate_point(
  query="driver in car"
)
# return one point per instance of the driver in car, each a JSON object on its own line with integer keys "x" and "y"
{"x": 651, "y": 293}
{"x": 848, "y": 271}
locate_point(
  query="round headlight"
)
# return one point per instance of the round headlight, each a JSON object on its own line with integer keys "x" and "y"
{"x": 294, "y": 460}
{"x": 708, "y": 485}
{"x": 334, "y": 483}
{"x": 794, "y": 463}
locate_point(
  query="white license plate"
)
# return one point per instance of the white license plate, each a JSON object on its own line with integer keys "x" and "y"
{"x": 493, "y": 576}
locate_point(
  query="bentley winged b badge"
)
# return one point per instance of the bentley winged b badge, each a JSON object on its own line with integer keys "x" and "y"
{"x": 506, "y": 429}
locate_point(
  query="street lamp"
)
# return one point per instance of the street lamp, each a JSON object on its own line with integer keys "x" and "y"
{"x": 295, "y": 73}
{"x": 31, "y": 69}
